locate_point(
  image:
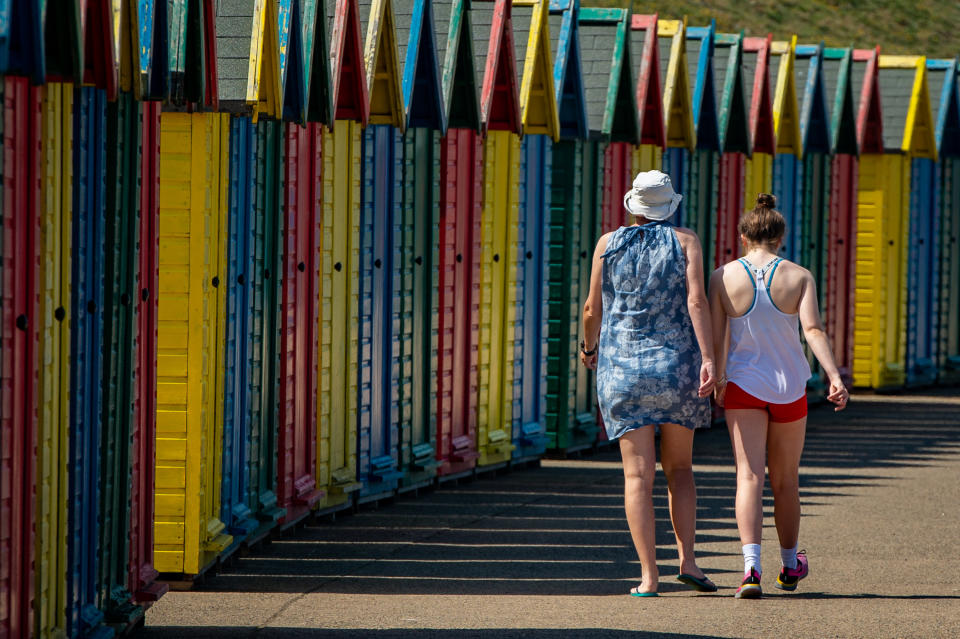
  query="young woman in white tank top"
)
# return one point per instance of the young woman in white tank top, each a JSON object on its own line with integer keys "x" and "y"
{"x": 758, "y": 304}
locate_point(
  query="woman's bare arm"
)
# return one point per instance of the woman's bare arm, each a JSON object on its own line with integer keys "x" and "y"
{"x": 698, "y": 308}
{"x": 719, "y": 319}
{"x": 593, "y": 307}
{"x": 819, "y": 343}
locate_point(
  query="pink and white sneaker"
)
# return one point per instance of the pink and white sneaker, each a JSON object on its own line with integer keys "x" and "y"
{"x": 790, "y": 577}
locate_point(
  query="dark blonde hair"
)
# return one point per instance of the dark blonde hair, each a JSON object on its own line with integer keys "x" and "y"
{"x": 764, "y": 224}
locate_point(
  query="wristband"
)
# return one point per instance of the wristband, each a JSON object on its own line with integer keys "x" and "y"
{"x": 584, "y": 351}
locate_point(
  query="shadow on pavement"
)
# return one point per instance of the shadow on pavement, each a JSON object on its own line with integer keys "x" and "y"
{"x": 561, "y": 529}
{"x": 175, "y": 632}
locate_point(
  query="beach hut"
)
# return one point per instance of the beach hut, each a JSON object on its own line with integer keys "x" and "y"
{"x": 734, "y": 142}
{"x": 678, "y": 125}
{"x": 570, "y": 424}
{"x": 118, "y": 368}
{"x": 645, "y": 58}
{"x": 19, "y": 333}
{"x": 539, "y": 121}
{"x": 841, "y": 226}
{"x": 458, "y": 260}
{"x": 612, "y": 46}
{"x": 788, "y": 161}
{"x": 500, "y": 118}
{"x": 758, "y": 168}
{"x": 86, "y": 345}
{"x": 53, "y": 351}
{"x": 418, "y": 236}
{"x": 297, "y": 488}
{"x": 911, "y": 152}
{"x": 704, "y": 163}
{"x": 945, "y": 101}
{"x": 339, "y": 262}
{"x": 142, "y": 576}
{"x": 189, "y": 534}
{"x": 378, "y": 400}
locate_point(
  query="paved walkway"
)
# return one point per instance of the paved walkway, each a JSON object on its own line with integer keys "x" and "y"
{"x": 546, "y": 553}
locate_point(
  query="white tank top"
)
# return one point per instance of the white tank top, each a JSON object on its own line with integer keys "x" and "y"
{"x": 766, "y": 358}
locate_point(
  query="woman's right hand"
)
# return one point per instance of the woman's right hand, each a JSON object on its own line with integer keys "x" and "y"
{"x": 838, "y": 394}
{"x": 720, "y": 390}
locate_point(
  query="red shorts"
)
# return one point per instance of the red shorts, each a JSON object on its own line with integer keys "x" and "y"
{"x": 736, "y": 397}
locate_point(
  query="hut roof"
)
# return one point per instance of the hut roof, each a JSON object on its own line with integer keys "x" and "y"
{"x": 645, "y": 57}
{"x": 346, "y": 61}
{"x": 837, "y": 71}
{"x": 494, "y": 53}
{"x": 756, "y": 82}
{"x": 567, "y": 68}
{"x": 945, "y": 102}
{"x": 908, "y": 125}
{"x": 702, "y": 88}
{"x": 248, "y": 51}
{"x": 607, "y": 81}
{"x": 814, "y": 120}
{"x": 382, "y": 62}
{"x": 733, "y": 116}
{"x": 417, "y": 49}
{"x": 677, "y": 105}
{"x": 786, "y": 107}
{"x": 866, "y": 95}
{"x": 458, "y": 75}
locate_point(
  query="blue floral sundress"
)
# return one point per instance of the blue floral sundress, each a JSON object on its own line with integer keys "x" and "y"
{"x": 648, "y": 365}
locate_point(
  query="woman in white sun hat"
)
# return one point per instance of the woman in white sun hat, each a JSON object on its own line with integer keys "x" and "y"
{"x": 646, "y": 327}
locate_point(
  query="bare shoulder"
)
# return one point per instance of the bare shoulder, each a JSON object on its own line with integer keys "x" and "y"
{"x": 602, "y": 244}
{"x": 686, "y": 235}
{"x": 794, "y": 271}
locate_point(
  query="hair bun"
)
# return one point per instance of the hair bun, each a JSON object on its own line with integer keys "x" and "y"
{"x": 766, "y": 200}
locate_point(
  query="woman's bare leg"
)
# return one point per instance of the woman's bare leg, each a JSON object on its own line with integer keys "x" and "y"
{"x": 748, "y": 435}
{"x": 676, "y": 459}
{"x": 639, "y": 468}
{"x": 784, "y": 447}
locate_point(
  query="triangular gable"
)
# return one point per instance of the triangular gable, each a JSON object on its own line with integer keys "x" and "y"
{"x": 208, "y": 60}
{"x": 317, "y": 86}
{"x": 22, "y": 39}
{"x": 531, "y": 41}
{"x": 248, "y": 79}
{"x": 417, "y": 45}
{"x": 702, "y": 89}
{"x": 837, "y": 70}
{"x": 158, "y": 87}
{"x": 494, "y": 54}
{"x": 292, "y": 80}
{"x": 814, "y": 121}
{"x": 677, "y": 106}
{"x": 786, "y": 109}
{"x": 732, "y": 105}
{"x": 756, "y": 81}
{"x": 101, "y": 47}
{"x": 136, "y": 46}
{"x": 646, "y": 57}
{"x": 567, "y": 68}
{"x": 184, "y": 79}
{"x": 63, "y": 51}
{"x": 382, "y": 63}
{"x": 458, "y": 75}
{"x": 608, "y": 86}
{"x": 346, "y": 62}
{"x": 945, "y": 101}
{"x": 866, "y": 93}
{"x": 907, "y": 116}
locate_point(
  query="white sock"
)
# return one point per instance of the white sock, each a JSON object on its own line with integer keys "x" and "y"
{"x": 788, "y": 557}
{"x": 751, "y": 558}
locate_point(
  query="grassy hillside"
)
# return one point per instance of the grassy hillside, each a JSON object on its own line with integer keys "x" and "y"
{"x": 926, "y": 27}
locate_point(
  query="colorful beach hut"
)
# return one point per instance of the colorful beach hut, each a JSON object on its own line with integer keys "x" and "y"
{"x": 500, "y": 118}
{"x": 378, "y": 400}
{"x": 539, "y": 120}
{"x": 19, "y": 333}
{"x": 838, "y": 307}
{"x": 340, "y": 254}
{"x": 758, "y": 168}
{"x": 610, "y": 30}
{"x": 417, "y": 225}
{"x": 704, "y": 163}
{"x": 910, "y": 144}
{"x": 645, "y": 58}
{"x": 788, "y": 161}
{"x": 86, "y": 351}
{"x": 189, "y": 534}
{"x": 459, "y": 235}
{"x": 570, "y": 421}
{"x": 945, "y": 101}
{"x": 734, "y": 142}
{"x": 681, "y": 136}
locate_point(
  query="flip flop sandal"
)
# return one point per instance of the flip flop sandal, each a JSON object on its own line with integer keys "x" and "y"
{"x": 634, "y": 593}
{"x": 700, "y": 584}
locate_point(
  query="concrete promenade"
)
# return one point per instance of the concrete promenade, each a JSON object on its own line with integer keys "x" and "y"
{"x": 546, "y": 553}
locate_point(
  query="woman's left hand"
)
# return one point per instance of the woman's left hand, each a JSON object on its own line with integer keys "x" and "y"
{"x": 708, "y": 378}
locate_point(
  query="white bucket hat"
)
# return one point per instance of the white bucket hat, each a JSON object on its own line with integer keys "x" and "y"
{"x": 652, "y": 196}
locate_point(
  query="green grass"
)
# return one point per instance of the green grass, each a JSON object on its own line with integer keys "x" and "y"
{"x": 903, "y": 27}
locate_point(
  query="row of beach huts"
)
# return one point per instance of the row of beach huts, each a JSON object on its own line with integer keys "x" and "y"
{"x": 262, "y": 260}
